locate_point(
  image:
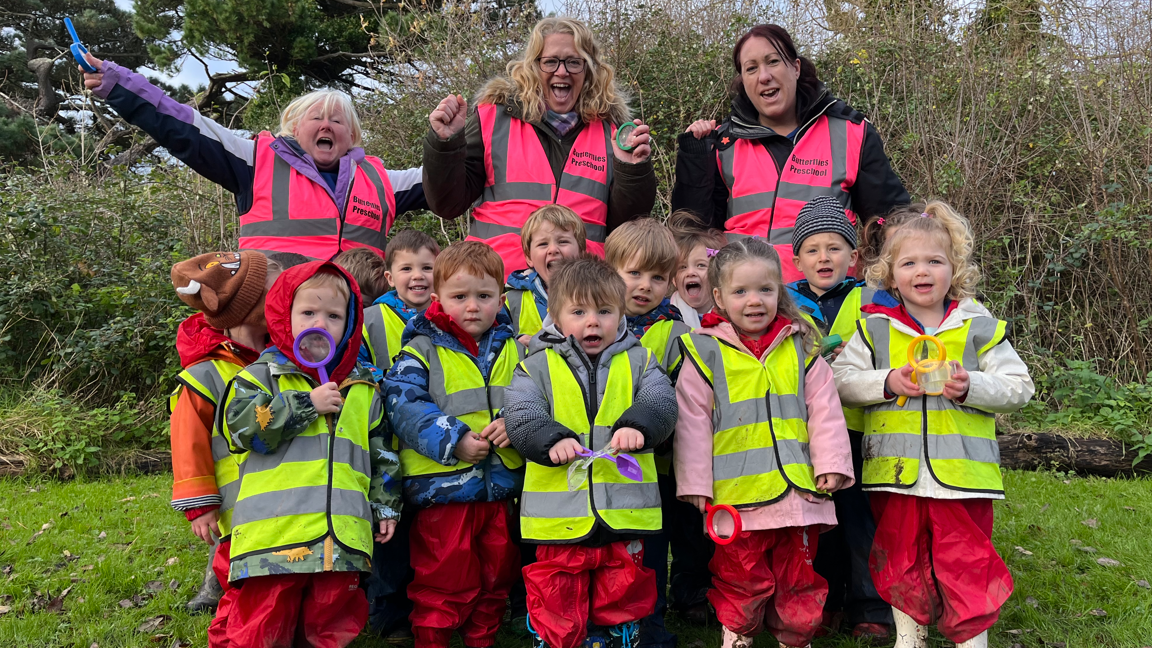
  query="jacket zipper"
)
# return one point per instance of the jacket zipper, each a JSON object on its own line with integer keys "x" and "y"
{"x": 592, "y": 408}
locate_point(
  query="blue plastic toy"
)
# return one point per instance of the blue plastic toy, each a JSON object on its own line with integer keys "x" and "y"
{"x": 78, "y": 49}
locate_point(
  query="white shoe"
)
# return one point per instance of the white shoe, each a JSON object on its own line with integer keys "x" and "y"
{"x": 910, "y": 634}
{"x": 729, "y": 639}
{"x": 979, "y": 641}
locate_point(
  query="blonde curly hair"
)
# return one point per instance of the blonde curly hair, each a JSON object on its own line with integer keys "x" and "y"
{"x": 600, "y": 98}
{"x": 935, "y": 219}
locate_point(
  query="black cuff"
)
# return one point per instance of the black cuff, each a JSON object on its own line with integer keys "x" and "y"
{"x": 688, "y": 143}
{"x": 554, "y": 433}
{"x": 457, "y": 142}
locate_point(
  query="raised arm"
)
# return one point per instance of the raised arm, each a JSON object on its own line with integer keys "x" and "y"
{"x": 206, "y": 147}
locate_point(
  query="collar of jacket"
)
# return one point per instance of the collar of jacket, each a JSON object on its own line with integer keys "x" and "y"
{"x": 290, "y": 151}
{"x": 955, "y": 315}
{"x": 550, "y": 337}
{"x": 718, "y": 326}
{"x": 445, "y": 332}
{"x": 196, "y": 341}
{"x": 744, "y": 122}
{"x": 884, "y": 303}
{"x": 278, "y": 312}
{"x": 392, "y": 300}
{"x": 809, "y": 301}
{"x": 640, "y": 324}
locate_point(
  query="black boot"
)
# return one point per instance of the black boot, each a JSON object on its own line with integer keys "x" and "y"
{"x": 210, "y": 592}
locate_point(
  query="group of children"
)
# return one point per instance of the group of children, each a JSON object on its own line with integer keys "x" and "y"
{"x": 443, "y": 443}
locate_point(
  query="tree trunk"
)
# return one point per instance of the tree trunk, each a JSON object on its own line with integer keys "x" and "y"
{"x": 1104, "y": 457}
{"x": 48, "y": 102}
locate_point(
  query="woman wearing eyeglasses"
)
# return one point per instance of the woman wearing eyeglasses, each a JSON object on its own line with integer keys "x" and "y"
{"x": 542, "y": 133}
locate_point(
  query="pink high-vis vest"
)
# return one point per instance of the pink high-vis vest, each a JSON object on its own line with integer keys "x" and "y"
{"x": 519, "y": 180}
{"x": 292, "y": 213}
{"x": 764, "y": 201}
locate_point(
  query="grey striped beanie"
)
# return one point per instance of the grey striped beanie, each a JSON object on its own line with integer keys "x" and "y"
{"x": 820, "y": 215}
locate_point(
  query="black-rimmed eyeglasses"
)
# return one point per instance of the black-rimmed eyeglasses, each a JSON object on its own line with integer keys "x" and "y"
{"x": 573, "y": 65}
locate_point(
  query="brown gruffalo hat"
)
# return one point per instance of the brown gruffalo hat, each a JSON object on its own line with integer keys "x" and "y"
{"x": 226, "y": 286}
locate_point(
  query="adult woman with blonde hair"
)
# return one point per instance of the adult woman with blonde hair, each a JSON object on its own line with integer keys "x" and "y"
{"x": 545, "y": 132}
{"x": 309, "y": 189}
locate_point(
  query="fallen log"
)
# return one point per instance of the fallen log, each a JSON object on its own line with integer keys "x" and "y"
{"x": 1103, "y": 457}
{"x": 139, "y": 462}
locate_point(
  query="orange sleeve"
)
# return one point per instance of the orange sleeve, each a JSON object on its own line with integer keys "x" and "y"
{"x": 193, "y": 469}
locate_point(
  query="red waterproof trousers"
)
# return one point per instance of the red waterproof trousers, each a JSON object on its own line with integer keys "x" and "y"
{"x": 465, "y": 564}
{"x": 563, "y": 577}
{"x": 322, "y": 610}
{"x": 934, "y": 560}
{"x": 218, "y": 629}
{"x": 764, "y": 580}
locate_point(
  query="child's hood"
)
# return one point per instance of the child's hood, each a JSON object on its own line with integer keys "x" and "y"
{"x": 196, "y": 341}
{"x": 955, "y": 312}
{"x": 522, "y": 279}
{"x": 278, "y": 312}
{"x": 550, "y": 337}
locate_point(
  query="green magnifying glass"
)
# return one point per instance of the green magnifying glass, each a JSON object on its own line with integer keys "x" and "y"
{"x": 622, "y": 135}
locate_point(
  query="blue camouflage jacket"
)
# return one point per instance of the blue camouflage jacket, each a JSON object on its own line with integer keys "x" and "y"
{"x": 421, "y": 425}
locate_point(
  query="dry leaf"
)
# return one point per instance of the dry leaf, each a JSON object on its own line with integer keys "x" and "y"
{"x": 153, "y": 624}
{"x": 1143, "y": 584}
{"x": 154, "y": 585}
{"x": 128, "y": 499}
{"x": 125, "y": 603}
{"x": 1023, "y": 551}
{"x": 1044, "y": 508}
{"x": 1107, "y": 562}
{"x": 47, "y": 525}
{"x": 57, "y": 604}
{"x": 1075, "y": 542}
{"x": 5, "y": 526}
{"x": 88, "y": 568}
{"x": 1033, "y": 602}
{"x": 4, "y": 609}
{"x": 1091, "y": 523}
{"x": 102, "y": 536}
{"x": 160, "y": 637}
{"x": 172, "y": 561}
{"x": 1129, "y": 508}
{"x": 174, "y": 584}
{"x": 1097, "y": 612}
{"x": 1067, "y": 481}
{"x": 1087, "y": 549}
{"x": 179, "y": 643}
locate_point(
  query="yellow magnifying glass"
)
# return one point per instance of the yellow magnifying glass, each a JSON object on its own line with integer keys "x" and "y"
{"x": 928, "y": 372}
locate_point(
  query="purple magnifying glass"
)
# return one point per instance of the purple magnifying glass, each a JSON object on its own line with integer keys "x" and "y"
{"x": 627, "y": 465}
{"x": 314, "y": 348}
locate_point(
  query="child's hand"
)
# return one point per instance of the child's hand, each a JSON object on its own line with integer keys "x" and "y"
{"x": 830, "y": 482}
{"x": 524, "y": 340}
{"x": 326, "y": 398}
{"x": 206, "y": 528}
{"x": 836, "y": 352}
{"x": 387, "y": 528}
{"x": 900, "y": 382}
{"x": 957, "y": 387}
{"x": 471, "y": 448}
{"x": 496, "y": 433}
{"x": 627, "y": 439}
{"x": 564, "y": 451}
{"x": 699, "y": 501}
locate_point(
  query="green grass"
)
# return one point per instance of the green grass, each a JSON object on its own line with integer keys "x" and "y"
{"x": 1058, "y": 586}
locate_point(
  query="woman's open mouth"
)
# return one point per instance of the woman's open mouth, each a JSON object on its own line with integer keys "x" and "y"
{"x": 770, "y": 93}
{"x": 561, "y": 92}
{"x": 324, "y": 144}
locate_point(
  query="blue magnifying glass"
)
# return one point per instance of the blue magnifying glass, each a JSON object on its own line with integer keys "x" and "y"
{"x": 78, "y": 49}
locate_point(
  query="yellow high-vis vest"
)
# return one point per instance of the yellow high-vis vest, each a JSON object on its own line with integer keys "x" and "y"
{"x": 209, "y": 379}
{"x": 760, "y": 420}
{"x": 459, "y": 389}
{"x": 382, "y": 331}
{"x": 549, "y": 511}
{"x": 959, "y": 442}
{"x": 845, "y": 326}
{"x": 313, "y": 486}
{"x": 524, "y": 311}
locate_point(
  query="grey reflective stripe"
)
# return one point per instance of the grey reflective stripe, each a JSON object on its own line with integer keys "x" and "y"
{"x": 228, "y": 493}
{"x": 756, "y": 461}
{"x": 609, "y": 170}
{"x": 727, "y": 161}
{"x": 981, "y": 331}
{"x": 281, "y": 180}
{"x": 300, "y": 501}
{"x": 935, "y": 404}
{"x": 781, "y": 236}
{"x": 458, "y": 403}
{"x": 805, "y": 193}
{"x": 220, "y": 448}
{"x": 555, "y": 504}
{"x": 376, "y": 334}
{"x": 368, "y": 236}
{"x": 838, "y": 143}
{"x": 867, "y": 294}
{"x": 802, "y": 375}
{"x": 483, "y": 230}
{"x": 751, "y": 203}
{"x": 375, "y": 412}
{"x": 496, "y": 392}
{"x": 941, "y": 447}
{"x": 291, "y": 227}
{"x": 755, "y": 410}
{"x": 584, "y": 186}
{"x": 878, "y": 330}
{"x": 733, "y": 236}
{"x": 209, "y": 376}
{"x": 626, "y": 496}
{"x": 310, "y": 448}
{"x": 516, "y": 190}
{"x": 381, "y": 192}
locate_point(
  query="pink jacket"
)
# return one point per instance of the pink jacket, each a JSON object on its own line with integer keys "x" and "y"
{"x": 827, "y": 441}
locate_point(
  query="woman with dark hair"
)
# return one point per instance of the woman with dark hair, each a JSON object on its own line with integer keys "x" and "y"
{"x": 787, "y": 141}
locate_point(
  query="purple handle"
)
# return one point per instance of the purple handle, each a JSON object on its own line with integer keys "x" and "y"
{"x": 625, "y": 463}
